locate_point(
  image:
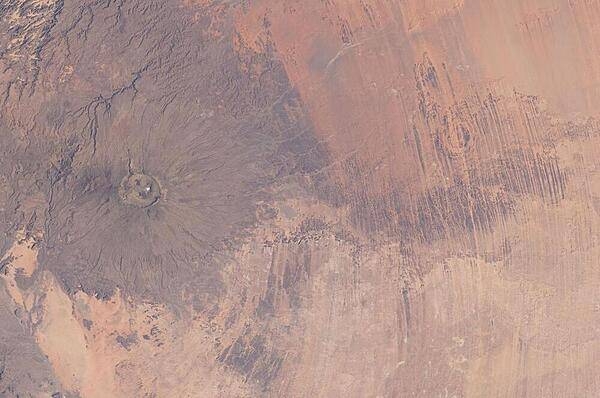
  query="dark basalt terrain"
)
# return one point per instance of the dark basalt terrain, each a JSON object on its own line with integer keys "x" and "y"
{"x": 255, "y": 198}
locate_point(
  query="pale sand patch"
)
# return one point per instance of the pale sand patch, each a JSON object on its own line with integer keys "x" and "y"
{"x": 23, "y": 259}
